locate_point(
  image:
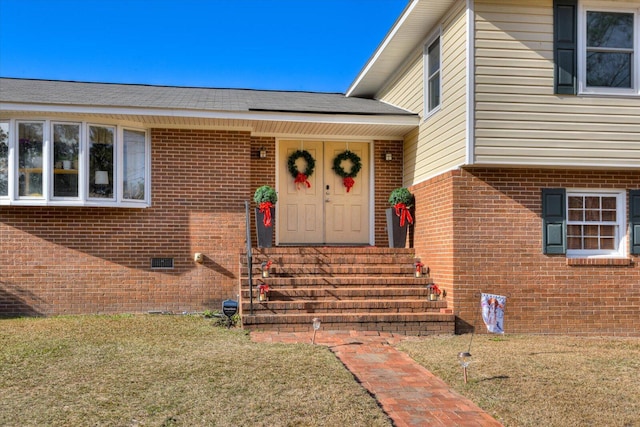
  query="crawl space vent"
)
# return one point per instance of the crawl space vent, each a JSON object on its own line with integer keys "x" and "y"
{"x": 161, "y": 262}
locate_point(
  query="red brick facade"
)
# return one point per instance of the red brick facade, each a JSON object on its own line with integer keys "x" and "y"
{"x": 60, "y": 260}
{"x": 69, "y": 260}
{"x": 480, "y": 230}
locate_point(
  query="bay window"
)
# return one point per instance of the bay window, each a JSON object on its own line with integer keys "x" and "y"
{"x": 45, "y": 162}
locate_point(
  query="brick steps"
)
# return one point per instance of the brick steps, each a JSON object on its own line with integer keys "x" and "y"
{"x": 347, "y": 288}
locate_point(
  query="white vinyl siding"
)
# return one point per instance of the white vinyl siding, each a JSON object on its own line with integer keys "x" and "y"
{"x": 519, "y": 119}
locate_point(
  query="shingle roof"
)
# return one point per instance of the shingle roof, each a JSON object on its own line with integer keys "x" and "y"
{"x": 49, "y": 92}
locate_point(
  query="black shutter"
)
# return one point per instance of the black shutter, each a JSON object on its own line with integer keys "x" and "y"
{"x": 565, "y": 45}
{"x": 634, "y": 221}
{"x": 554, "y": 221}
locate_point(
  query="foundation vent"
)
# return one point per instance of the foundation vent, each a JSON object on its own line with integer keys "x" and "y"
{"x": 165, "y": 263}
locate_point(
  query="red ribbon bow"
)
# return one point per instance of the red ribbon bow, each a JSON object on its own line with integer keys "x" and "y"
{"x": 403, "y": 212}
{"x": 302, "y": 179}
{"x": 419, "y": 266}
{"x": 348, "y": 182}
{"x": 265, "y": 209}
{"x": 435, "y": 289}
{"x": 263, "y": 288}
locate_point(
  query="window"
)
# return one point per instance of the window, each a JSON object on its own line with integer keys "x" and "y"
{"x": 596, "y": 47}
{"x": 4, "y": 159}
{"x": 432, "y": 75}
{"x": 66, "y": 148}
{"x": 134, "y": 164}
{"x": 101, "y": 145}
{"x": 609, "y": 60}
{"x": 30, "y": 151}
{"x": 594, "y": 222}
{"x": 584, "y": 223}
{"x": 73, "y": 164}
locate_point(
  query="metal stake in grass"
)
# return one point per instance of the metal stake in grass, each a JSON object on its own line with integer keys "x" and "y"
{"x": 464, "y": 358}
{"x": 316, "y": 326}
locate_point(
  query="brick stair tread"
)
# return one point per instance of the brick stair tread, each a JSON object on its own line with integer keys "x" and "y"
{"x": 336, "y": 270}
{"x": 344, "y": 292}
{"x": 324, "y": 250}
{"x": 342, "y": 304}
{"x": 342, "y": 281}
{"x": 284, "y": 261}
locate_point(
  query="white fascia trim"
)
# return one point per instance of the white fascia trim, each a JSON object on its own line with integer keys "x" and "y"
{"x": 471, "y": 83}
{"x": 228, "y": 115}
{"x": 392, "y": 33}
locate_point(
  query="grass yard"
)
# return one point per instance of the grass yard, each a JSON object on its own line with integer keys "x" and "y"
{"x": 169, "y": 371}
{"x": 182, "y": 371}
{"x": 525, "y": 380}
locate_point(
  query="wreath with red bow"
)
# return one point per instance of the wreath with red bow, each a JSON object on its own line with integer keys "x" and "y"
{"x": 356, "y": 165}
{"x": 301, "y": 177}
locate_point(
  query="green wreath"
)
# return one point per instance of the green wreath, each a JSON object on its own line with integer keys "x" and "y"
{"x": 291, "y": 163}
{"x": 355, "y": 160}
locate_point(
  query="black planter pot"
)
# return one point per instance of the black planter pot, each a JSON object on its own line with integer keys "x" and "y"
{"x": 265, "y": 234}
{"x": 397, "y": 235}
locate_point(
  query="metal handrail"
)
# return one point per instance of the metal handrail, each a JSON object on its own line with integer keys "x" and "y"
{"x": 249, "y": 255}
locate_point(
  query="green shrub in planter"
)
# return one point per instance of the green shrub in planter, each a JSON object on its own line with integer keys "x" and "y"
{"x": 265, "y": 194}
{"x": 401, "y": 195}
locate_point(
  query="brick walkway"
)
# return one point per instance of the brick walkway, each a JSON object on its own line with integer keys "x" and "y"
{"x": 408, "y": 393}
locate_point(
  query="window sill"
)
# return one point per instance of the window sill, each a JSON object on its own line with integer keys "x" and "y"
{"x": 69, "y": 203}
{"x": 610, "y": 262}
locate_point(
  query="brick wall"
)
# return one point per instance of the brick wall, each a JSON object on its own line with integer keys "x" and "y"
{"x": 496, "y": 247}
{"x": 388, "y": 175}
{"x": 57, "y": 260}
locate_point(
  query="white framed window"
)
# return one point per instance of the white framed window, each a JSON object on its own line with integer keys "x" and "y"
{"x": 596, "y": 223}
{"x": 432, "y": 75}
{"x": 58, "y": 163}
{"x": 609, "y": 48}
{"x": 4, "y": 159}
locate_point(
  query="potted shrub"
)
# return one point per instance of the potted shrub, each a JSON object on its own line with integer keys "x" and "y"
{"x": 265, "y": 198}
{"x": 399, "y": 217}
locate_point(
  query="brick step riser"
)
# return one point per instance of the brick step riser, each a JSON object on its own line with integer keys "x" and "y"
{"x": 338, "y": 282}
{"x": 262, "y": 309}
{"x": 328, "y": 251}
{"x": 335, "y": 294}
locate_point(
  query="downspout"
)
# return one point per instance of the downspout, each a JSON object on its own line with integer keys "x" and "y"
{"x": 471, "y": 83}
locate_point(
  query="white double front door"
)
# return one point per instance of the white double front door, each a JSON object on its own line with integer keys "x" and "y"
{"x": 325, "y": 212}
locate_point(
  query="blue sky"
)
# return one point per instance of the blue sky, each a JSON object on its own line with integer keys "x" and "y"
{"x": 300, "y": 45}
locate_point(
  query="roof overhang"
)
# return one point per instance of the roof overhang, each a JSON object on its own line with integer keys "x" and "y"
{"x": 376, "y": 126}
{"x": 412, "y": 27}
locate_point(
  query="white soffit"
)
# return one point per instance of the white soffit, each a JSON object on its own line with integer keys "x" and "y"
{"x": 412, "y": 27}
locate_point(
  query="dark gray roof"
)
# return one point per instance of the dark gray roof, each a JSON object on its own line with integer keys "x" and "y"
{"x": 50, "y": 92}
